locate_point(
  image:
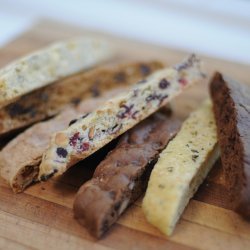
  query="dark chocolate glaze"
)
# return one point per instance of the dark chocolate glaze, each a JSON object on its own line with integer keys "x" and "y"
{"x": 231, "y": 102}
{"x": 122, "y": 176}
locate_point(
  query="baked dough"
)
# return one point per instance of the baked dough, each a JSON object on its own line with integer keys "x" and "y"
{"x": 48, "y": 101}
{"x": 122, "y": 176}
{"x": 181, "y": 168}
{"x": 91, "y": 132}
{"x": 21, "y": 157}
{"x": 47, "y": 65}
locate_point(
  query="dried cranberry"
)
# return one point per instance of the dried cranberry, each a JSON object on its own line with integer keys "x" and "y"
{"x": 85, "y": 146}
{"x": 73, "y": 139}
{"x": 182, "y": 81}
{"x": 62, "y": 152}
{"x": 126, "y": 112}
{"x": 163, "y": 84}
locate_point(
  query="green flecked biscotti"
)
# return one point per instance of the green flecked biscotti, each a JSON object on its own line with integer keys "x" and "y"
{"x": 181, "y": 168}
{"x": 116, "y": 116}
{"x": 52, "y": 63}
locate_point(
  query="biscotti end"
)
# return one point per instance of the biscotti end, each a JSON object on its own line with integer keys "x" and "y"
{"x": 231, "y": 104}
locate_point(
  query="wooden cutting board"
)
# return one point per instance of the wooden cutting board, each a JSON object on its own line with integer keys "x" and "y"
{"x": 42, "y": 218}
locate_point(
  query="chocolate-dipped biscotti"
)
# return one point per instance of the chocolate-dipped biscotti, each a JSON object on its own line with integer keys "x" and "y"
{"x": 51, "y": 99}
{"x": 116, "y": 116}
{"x": 231, "y": 104}
{"x": 122, "y": 176}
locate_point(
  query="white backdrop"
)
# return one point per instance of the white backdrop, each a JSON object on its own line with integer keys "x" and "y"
{"x": 215, "y": 28}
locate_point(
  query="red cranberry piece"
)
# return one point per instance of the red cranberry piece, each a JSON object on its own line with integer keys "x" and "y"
{"x": 182, "y": 81}
{"x": 85, "y": 146}
{"x": 73, "y": 139}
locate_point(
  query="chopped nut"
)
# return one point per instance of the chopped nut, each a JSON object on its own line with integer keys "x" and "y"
{"x": 122, "y": 103}
{"x": 61, "y": 139}
{"x": 91, "y": 133}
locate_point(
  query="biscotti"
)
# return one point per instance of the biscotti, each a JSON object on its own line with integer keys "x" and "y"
{"x": 116, "y": 116}
{"x": 231, "y": 104}
{"x": 122, "y": 176}
{"x": 181, "y": 168}
{"x": 47, "y": 65}
{"x": 50, "y": 100}
{"x": 20, "y": 158}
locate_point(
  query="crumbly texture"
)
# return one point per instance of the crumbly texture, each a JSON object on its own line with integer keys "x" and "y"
{"x": 122, "y": 176}
{"x": 181, "y": 168}
{"x": 21, "y": 157}
{"x": 50, "y": 100}
{"x": 231, "y": 103}
{"x": 45, "y": 66}
{"x": 116, "y": 116}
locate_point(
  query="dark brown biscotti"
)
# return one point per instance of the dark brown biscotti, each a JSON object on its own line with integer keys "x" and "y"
{"x": 122, "y": 176}
{"x": 50, "y": 100}
{"x": 231, "y": 102}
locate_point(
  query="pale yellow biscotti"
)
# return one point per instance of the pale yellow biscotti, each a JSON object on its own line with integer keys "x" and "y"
{"x": 116, "y": 116}
{"x": 181, "y": 168}
{"x": 47, "y": 65}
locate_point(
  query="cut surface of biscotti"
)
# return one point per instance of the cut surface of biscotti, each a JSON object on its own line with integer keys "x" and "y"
{"x": 116, "y": 116}
{"x": 231, "y": 104}
{"x": 122, "y": 176}
{"x": 50, "y": 100}
{"x": 181, "y": 168}
{"x": 21, "y": 157}
{"x": 47, "y": 65}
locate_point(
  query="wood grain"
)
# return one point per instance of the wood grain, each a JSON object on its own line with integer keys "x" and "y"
{"x": 42, "y": 218}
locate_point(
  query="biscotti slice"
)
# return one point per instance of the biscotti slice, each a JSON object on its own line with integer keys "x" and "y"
{"x": 116, "y": 116}
{"x": 45, "y": 66}
{"x": 50, "y": 100}
{"x": 122, "y": 176}
{"x": 21, "y": 157}
{"x": 231, "y": 104}
{"x": 181, "y": 168}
